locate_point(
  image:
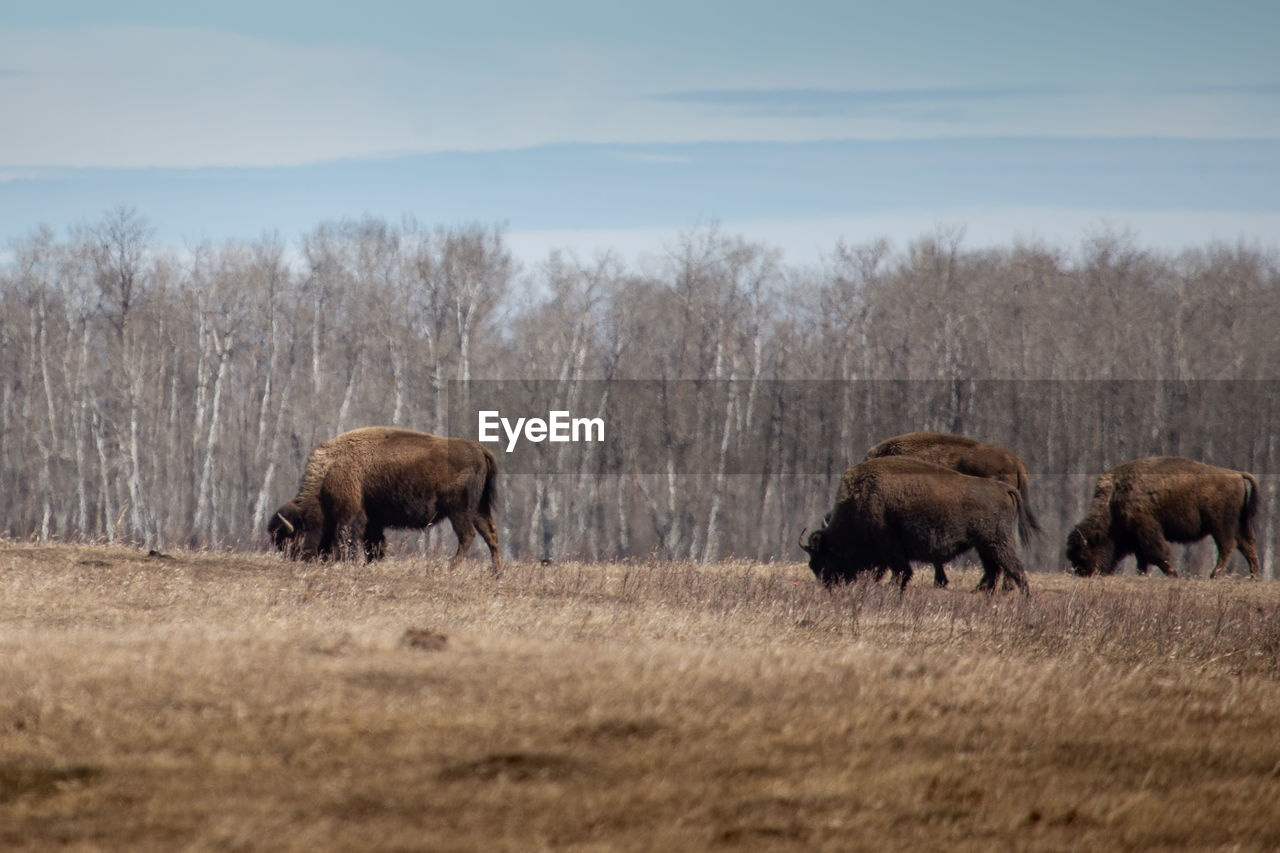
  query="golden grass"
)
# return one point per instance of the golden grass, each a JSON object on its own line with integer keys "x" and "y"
{"x": 237, "y": 702}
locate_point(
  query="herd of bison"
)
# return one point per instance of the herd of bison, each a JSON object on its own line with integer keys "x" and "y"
{"x": 923, "y": 497}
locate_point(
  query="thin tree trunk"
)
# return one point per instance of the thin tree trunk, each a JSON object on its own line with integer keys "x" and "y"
{"x": 104, "y": 472}
{"x": 137, "y": 509}
{"x": 353, "y": 379}
{"x": 46, "y": 438}
{"x": 205, "y": 518}
{"x": 264, "y": 492}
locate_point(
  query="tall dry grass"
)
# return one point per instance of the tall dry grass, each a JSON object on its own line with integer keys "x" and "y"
{"x": 237, "y": 702}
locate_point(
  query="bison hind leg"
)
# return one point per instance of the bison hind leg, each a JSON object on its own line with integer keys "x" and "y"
{"x": 489, "y": 532}
{"x": 990, "y": 571}
{"x": 464, "y": 529}
{"x": 1016, "y": 573}
{"x": 1226, "y": 544}
{"x": 1246, "y": 547}
{"x": 998, "y": 560}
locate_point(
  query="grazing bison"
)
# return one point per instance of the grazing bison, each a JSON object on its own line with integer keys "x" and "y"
{"x": 366, "y": 480}
{"x": 968, "y": 456}
{"x": 1141, "y": 506}
{"x": 897, "y": 509}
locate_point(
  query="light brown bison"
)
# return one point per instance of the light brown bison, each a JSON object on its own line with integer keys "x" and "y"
{"x": 363, "y": 481}
{"x": 893, "y": 510}
{"x": 1141, "y": 506}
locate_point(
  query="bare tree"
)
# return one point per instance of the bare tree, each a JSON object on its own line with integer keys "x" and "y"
{"x": 117, "y": 247}
{"x": 154, "y": 396}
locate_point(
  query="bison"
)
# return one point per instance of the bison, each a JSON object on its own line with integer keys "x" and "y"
{"x": 366, "y": 480}
{"x": 896, "y": 509}
{"x": 1141, "y": 506}
{"x": 968, "y": 456}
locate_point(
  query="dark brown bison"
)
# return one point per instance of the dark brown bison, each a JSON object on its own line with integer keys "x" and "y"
{"x": 1141, "y": 506}
{"x": 366, "y": 480}
{"x": 968, "y": 456}
{"x": 897, "y": 509}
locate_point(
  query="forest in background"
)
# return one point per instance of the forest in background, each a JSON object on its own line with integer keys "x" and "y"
{"x": 170, "y": 397}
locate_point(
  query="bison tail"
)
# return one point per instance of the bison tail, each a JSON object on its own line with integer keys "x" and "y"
{"x": 1019, "y": 513}
{"x": 489, "y": 493}
{"x": 1028, "y": 524}
{"x": 1249, "y": 509}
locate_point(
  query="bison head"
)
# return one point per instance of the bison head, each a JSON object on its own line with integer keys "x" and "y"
{"x": 821, "y": 560}
{"x": 290, "y": 532}
{"x": 1089, "y": 550}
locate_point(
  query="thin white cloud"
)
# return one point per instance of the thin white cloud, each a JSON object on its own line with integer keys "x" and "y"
{"x": 151, "y": 96}
{"x": 657, "y": 159}
{"x": 154, "y": 96}
{"x": 842, "y": 102}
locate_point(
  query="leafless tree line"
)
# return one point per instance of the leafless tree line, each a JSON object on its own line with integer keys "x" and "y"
{"x": 160, "y": 397}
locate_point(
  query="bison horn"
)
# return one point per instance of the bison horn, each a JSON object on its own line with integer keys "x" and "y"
{"x": 284, "y": 522}
{"x": 803, "y": 545}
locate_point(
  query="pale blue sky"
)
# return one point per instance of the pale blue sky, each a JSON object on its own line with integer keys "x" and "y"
{"x": 588, "y": 124}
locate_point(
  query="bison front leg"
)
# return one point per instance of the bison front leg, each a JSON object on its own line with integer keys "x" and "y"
{"x": 904, "y": 575}
{"x": 1161, "y": 563}
{"x": 940, "y": 576}
{"x": 328, "y": 538}
{"x": 375, "y": 544}
{"x": 1152, "y": 547}
{"x": 348, "y": 534}
{"x": 343, "y": 524}
{"x": 899, "y": 566}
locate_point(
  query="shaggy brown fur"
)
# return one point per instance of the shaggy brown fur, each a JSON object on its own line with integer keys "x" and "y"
{"x": 968, "y": 456}
{"x": 1141, "y": 506}
{"x": 366, "y": 480}
{"x": 897, "y": 509}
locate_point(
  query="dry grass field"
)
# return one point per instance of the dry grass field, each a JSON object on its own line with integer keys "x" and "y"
{"x": 207, "y": 701}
